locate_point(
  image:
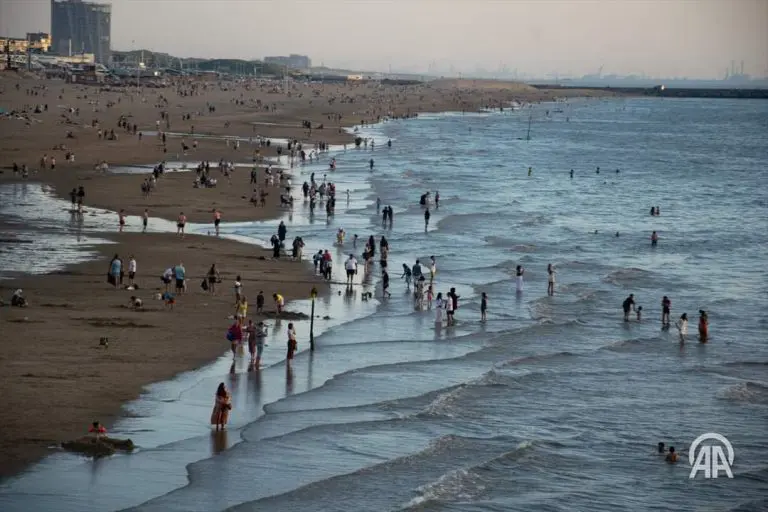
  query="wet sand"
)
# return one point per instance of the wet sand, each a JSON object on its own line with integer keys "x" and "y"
{"x": 56, "y": 373}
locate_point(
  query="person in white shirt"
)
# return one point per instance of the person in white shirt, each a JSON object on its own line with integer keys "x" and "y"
{"x": 351, "y": 266}
{"x": 238, "y": 289}
{"x": 449, "y": 310}
{"x": 131, "y": 270}
{"x": 167, "y": 277}
{"x": 682, "y": 326}
{"x": 439, "y": 308}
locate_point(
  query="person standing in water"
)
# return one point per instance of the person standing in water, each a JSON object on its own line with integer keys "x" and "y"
{"x": 550, "y": 280}
{"x": 292, "y": 344}
{"x": 370, "y": 164}
{"x": 181, "y": 222}
{"x": 666, "y": 307}
{"x": 703, "y": 326}
{"x": 654, "y": 239}
{"x": 216, "y": 220}
{"x": 682, "y": 327}
{"x": 437, "y": 199}
{"x": 628, "y": 305}
{"x": 427, "y": 215}
{"x": 519, "y": 278}
{"x": 385, "y": 283}
{"x": 484, "y": 307}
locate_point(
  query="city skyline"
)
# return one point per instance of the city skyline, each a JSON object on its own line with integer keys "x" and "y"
{"x": 674, "y": 38}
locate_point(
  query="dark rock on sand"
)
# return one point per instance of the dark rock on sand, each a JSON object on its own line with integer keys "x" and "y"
{"x": 286, "y": 315}
{"x": 101, "y": 447}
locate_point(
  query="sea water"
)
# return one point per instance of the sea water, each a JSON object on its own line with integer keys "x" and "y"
{"x": 554, "y": 403}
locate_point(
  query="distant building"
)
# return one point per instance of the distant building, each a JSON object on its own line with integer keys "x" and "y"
{"x": 81, "y": 27}
{"x": 292, "y": 61}
{"x": 37, "y": 42}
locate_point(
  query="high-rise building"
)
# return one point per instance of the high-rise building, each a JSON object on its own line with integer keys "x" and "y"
{"x": 81, "y": 27}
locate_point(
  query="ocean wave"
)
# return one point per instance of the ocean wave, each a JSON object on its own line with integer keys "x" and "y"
{"x": 749, "y": 391}
{"x": 445, "y": 404}
{"x": 536, "y": 220}
{"x": 512, "y": 245}
{"x": 628, "y": 276}
{"x": 464, "y": 484}
{"x": 535, "y": 359}
{"x": 628, "y": 345}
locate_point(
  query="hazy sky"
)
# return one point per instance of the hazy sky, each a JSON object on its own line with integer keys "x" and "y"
{"x": 693, "y": 38}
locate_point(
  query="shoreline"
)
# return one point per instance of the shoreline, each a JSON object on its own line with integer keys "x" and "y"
{"x": 111, "y": 189}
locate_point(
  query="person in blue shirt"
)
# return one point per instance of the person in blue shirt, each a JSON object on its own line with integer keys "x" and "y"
{"x": 180, "y": 272}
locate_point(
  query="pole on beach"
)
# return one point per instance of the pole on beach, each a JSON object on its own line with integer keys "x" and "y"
{"x": 313, "y": 294}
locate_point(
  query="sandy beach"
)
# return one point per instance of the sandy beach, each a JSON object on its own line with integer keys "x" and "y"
{"x": 53, "y": 367}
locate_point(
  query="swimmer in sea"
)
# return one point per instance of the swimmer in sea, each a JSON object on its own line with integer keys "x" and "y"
{"x": 662, "y": 449}
{"x": 571, "y": 173}
{"x": 671, "y": 456}
{"x": 654, "y": 239}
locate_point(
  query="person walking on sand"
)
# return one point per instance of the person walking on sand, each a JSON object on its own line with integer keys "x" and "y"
{"x": 241, "y": 309}
{"x": 221, "y": 407}
{"x": 213, "y": 277}
{"x": 115, "y": 270}
{"x": 131, "y": 270}
{"x": 682, "y": 327}
{"x": 235, "y": 337}
{"x": 628, "y": 305}
{"x": 216, "y": 220}
{"x": 181, "y": 222}
{"x": 519, "y": 278}
{"x": 292, "y": 344}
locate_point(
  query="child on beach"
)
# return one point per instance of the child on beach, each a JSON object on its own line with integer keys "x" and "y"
{"x": 181, "y": 222}
{"x": 407, "y": 275}
{"x": 260, "y": 302}
{"x": 241, "y": 309}
{"x": 279, "y": 302}
{"x": 483, "y": 307}
{"x": 639, "y": 313}
{"x": 429, "y": 297}
{"x": 97, "y": 430}
{"x": 169, "y": 299}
